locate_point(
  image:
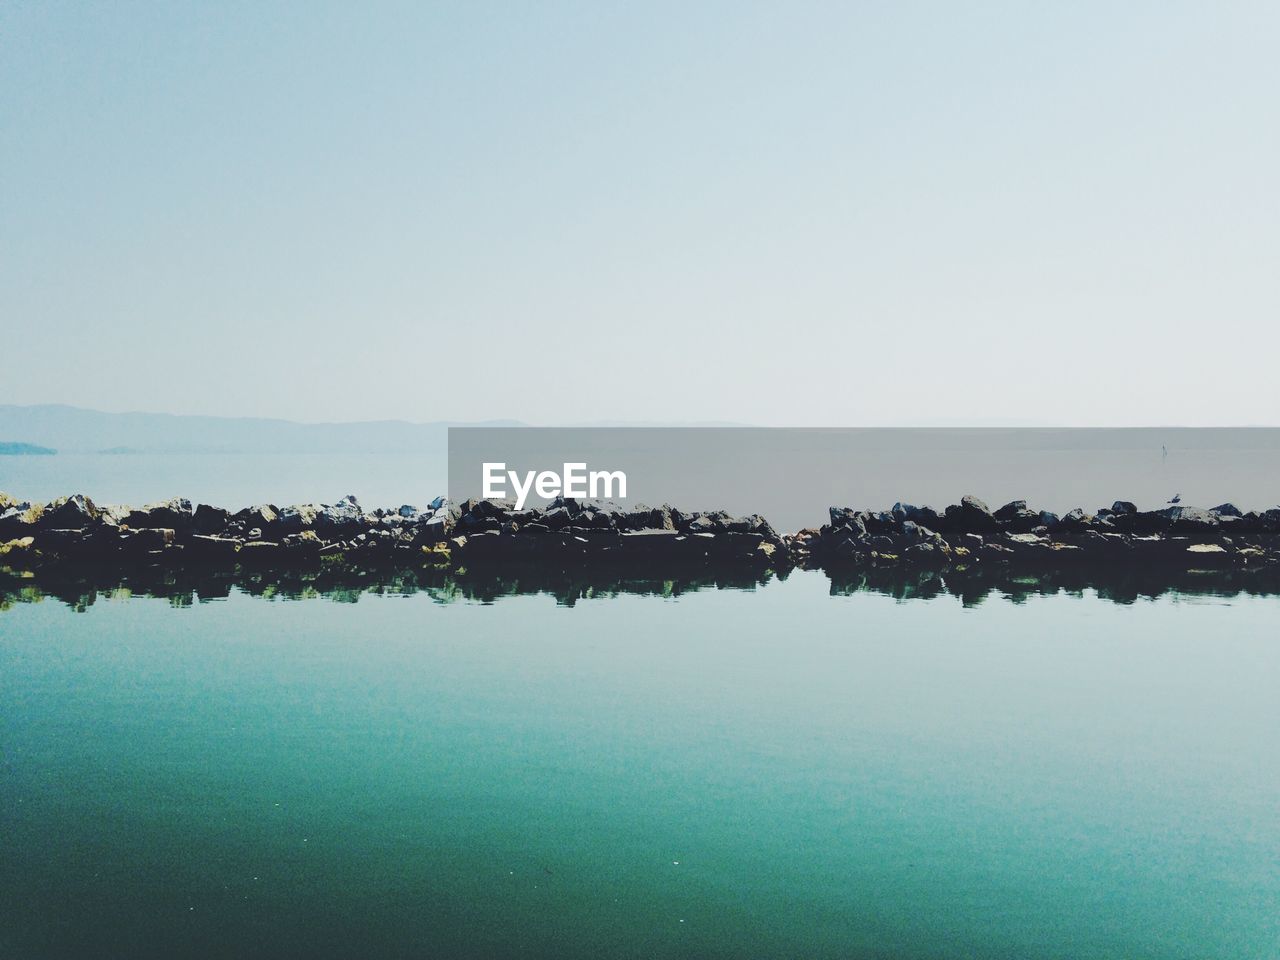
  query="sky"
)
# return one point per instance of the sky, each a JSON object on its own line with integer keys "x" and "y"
{"x": 846, "y": 214}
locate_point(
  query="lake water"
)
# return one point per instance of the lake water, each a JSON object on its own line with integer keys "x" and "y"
{"x": 769, "y": 772}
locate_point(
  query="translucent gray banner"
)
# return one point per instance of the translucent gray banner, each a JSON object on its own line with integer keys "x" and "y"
{"x": 791, "y": 476}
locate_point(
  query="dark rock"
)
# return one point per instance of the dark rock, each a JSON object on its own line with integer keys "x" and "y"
{"x": 175, "y": 514}
{"x": 703, "y": 524}
{"x": 1074, "y": 521}
{"x": 925, "y": 516}
{"x": 1017, "y": 518}
{"x": 481, "y": 515}
{"x": 852, "y": 521}
{"x": 62, "y": 541}
{"x": 970, "y": 515}
{"x": 1191, "y": 520}
{"x": 20, "y": 520}
{"x": 440, "y": 524}
{"x": 147, "y": 538}
{"x": 1142, "y": 523}
{"x": 340, "y": 518}
{"x": 69, "y": 513}
{"x": 601, "y": 519}
{"x": 295, "y": 519}
{"x": 1010, "y": 510}
{"x": 1123, "y": 508}
{"x": 1269, "y": 521}
{"x": 206, "y": 547}
{"x": 913, "y": 532}
{"x": 1104, "y": 546}
{"x": 261, "y": 516}
{"x": 113, "y": 514}
{"x": 209, "y": 520}
{"x": 881, "y": 521}
{"x": 19, "y": 549}
{"x": 925, "y": 554}
{"x": 650, "y": 541}
{"x": 1207, "y": 556}
{"x": 260, "y": 552}
{"x": 641, "y": 517}
{"x": 1226, "y": 510}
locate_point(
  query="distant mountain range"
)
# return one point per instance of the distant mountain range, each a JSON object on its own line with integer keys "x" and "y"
{"x": 23, "y": 449}
{"x": 76, "y": 430}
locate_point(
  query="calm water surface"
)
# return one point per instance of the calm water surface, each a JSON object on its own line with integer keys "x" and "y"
{"x": 766, "y": 773}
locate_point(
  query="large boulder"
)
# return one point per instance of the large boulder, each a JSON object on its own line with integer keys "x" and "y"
{"x": 21, "y": 548}
{"x": 297, "y": 518}
{"x": 1011, "y": 510}
{"x": 20, "y": 520}
{"x": 261, "y": 516}
{"x": 113, "y": 514}
{"x": 440, "y": 524}
{"x": 925, "y": 516}
{"x": 913, "y": 532}
{"x": 845, "y": 518}
{"x": 1143, "y": 522}
{"x": 339, "y": 517}
{"x": 69, "y": 513}
{"x": 146, "y": 539}
{"x": 704, "y": 523}
{"x": 1192, "y": 520}
{"x": 1073, "y": 521}
{"x": 176, "y": 514}
{"x": 207, "y": 520}
{"x": 304, "y": 544}
{"x": 209, "y": 547}
{"x": 1015, "y": 517}
{"x": 758, "y": 525}
{"x": 926, "y": 554}
{"x": 481, "y": 515}
{"x": 642, "y": 517}
{"x": 970, "y": 515}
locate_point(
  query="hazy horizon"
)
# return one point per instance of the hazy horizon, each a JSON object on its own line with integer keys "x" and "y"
{"x": 820, "y": 215}
{"x": 993, "y": 423}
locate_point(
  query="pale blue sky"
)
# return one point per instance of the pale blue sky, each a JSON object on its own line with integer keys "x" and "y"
{"x": 828, "y": 214}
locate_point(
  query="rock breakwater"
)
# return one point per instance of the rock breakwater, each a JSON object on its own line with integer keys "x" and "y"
{"x": 568, "y": 534}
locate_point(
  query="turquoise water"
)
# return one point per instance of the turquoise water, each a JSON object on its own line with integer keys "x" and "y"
{"x": 775, "y": 772}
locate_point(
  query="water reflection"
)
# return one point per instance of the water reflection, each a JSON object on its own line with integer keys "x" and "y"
{"x": 972, "y": 586}
{"x": 348, "y": 583}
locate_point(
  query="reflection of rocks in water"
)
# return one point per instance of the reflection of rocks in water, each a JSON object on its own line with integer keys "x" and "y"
{"x": 973, "y": 585}
{"x": 339, "y": 583}
{"x": 80, "y": 588}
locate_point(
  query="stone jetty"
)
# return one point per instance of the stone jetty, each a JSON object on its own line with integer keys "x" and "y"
{"x": 480, "y": 534}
